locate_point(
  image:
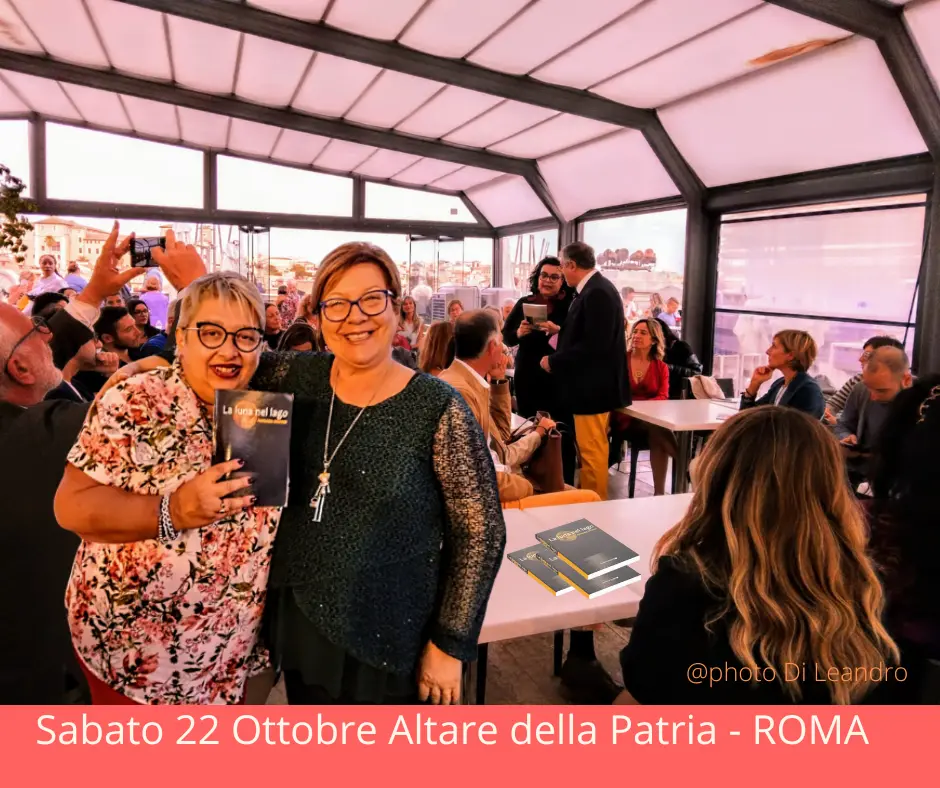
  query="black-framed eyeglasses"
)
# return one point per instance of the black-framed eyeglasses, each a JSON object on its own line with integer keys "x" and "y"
{"x": 39, "y": 327}
{"x": 213, "y": 336}
{"x": 372, "y": 304}
{"x": 142, "y": 311}
{"x": 550, "y": 277}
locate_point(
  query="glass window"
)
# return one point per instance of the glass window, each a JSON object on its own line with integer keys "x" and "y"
{"x": 14, "y": 149}
{"x": 97, "y": 167}
{"x": 843, "y": 273}
{"x": 858, "y": 264}
{"x": 521, "y": 253}
{"x": 245, "y": 185}
{"x": 394, "y": 202}
{"x": 645, "y": 252}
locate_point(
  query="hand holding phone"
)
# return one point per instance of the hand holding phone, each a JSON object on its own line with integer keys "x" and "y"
{"x": 141, "y": 251}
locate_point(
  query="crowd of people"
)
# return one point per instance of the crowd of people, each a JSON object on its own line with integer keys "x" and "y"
{"x": 146, "y": 574}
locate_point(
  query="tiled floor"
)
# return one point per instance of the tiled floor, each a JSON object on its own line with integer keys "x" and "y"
{"x": 520, "y": 671}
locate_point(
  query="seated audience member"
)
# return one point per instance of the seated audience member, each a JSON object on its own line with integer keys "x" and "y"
{"x": 886, "y": 373}
{"x": 410, "y": 323}
{"x": 792, "y": 353}
{"x": 681, "y": 360}
{"x": 630, "y": 310}
{"x": 150, "y": 623}
{"x": 437, "y": 351}
{"x": 670, "y": 315}
{"x": 478, "y": 347}
{"x": 656, "y": 307}
{"x": 649, "y": 380}
{"x": 46, "y": 304}
{"x": 305, "y": 311}
{"x": 905, "y": 540}
{"x": 300, "y": 337}
{"x": 273, "y": 327}
{"x": 141, "y": 314}
{"x": 767, "y": 570}
{"x": 508, "y": 305}
{"x": 37, "y": 661}
{"x": 836, "y": 403}
{"x": 454, "y": 309}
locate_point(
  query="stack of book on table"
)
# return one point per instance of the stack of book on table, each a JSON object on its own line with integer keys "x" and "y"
{"x": 578, "y": 556}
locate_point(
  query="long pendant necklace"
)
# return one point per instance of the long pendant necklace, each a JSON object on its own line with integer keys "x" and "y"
{"x": 319, "y": 499}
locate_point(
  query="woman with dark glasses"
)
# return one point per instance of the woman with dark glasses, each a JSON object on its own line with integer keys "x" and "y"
{"x": 168, "y": 586}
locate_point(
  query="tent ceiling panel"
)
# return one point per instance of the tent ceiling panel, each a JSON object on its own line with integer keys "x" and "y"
{"x": 343, "y": 156}
{"x": 14, "y": 34}
{"x": 448, "y": 110}
{"x": 383, "y": 19}
{"x": 554, "y": 134}
{"x": 504, "y": 120}
{"x": 620, "y": 168}
{"x": 507, "y": 200}
{"x": 134, "y": 38}
{"x": 806, "y": 115}
{"x": 650, "y": 29}
{"x": 391, "y": 99}
{"x": 924, "y": 21}
{"x": 454, "y": 28}
{"x": 44, "y": 96}
{"x": 152, "y": 118}
{"x": 537, "y": 35}
{"x": 99, "y": 107}
{"x": 424, "y": 171}
{"x": 253, "y": 139}
{"x": 308, "y": 10}
{"x": 385, "y": 163}
{"x": 465, "y": 178}
{"x": 64, "y": 30}
{"x": 9, "y": 101}
{"x": 270, "y": 72}
{"x": 204, "y": 56}
{"x": 333, "y": 85}
{"x": 203, "y": 129}
{"x": 298, "y": 148}
{"x": 718, "y": 56}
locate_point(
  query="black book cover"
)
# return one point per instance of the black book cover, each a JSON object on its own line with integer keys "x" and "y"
{"x": 532, "y": 560}
{"x": 587, "y": 549}
{"x": 610, "y": 581}
{"x": 254, "y": 426}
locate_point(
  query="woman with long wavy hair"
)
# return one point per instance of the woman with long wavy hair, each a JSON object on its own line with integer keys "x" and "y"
{"x": 763, "y": 593}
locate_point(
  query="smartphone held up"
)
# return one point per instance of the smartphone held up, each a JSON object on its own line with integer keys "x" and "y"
{"x": 141, "y": 251}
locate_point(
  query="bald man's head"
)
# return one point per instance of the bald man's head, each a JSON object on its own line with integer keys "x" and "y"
{"x": 27, "y": 372}
{"x": 886, "y": 373}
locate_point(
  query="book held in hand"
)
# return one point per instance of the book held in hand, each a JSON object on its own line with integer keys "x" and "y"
{"x": 535, "y": 313}
{"x": 531, "y": 560}
{"x": 599, "y": 586}
{"x": 254, "y": 427}
{"x": 587, "y": 549}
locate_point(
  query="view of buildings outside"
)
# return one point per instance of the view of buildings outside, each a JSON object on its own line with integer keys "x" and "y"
{"x": 644, "y": 251}
{"x": 522, "y": 253}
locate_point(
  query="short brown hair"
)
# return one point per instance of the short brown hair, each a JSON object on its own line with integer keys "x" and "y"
{"x": 345, "y": 257}
{"x": 580, "y": 254}
{"x": 801, "y": 345}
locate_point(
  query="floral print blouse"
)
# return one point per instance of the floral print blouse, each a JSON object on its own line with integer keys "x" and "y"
{"x": 161, "y": 624}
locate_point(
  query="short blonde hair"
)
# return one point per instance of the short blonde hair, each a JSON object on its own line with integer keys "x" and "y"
{"x": 226, "y": 286}
{"x": 801, "y": 345}
{"x": 345, "y": 257}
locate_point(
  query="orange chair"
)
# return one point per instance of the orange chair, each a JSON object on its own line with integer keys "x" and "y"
{"x": 554, "y": 499}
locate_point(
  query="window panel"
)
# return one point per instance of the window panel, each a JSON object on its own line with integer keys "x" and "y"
{"x": 393, "y": 202}
{"x": 645, "y": 252}
{"x": 859, "y": 264}
{"x": 14, "y": 149}
{"x": 266, "y": 188}
{"x": 521, "y": 253}
{"x": 139, "y": 172}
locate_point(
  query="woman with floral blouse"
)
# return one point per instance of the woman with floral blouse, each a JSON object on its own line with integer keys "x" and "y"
{"x": 166, "y": 598}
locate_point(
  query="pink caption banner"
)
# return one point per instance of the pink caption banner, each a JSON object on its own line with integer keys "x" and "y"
{"x": 417, "y": 746}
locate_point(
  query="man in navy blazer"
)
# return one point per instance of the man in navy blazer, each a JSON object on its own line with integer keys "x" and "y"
{"x": 792, "y": 353}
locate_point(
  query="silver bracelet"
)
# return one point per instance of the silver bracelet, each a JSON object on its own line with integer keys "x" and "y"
{"x": 166, "y": 533}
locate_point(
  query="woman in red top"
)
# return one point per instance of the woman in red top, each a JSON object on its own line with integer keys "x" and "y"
{"x": 649, "y": 379}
